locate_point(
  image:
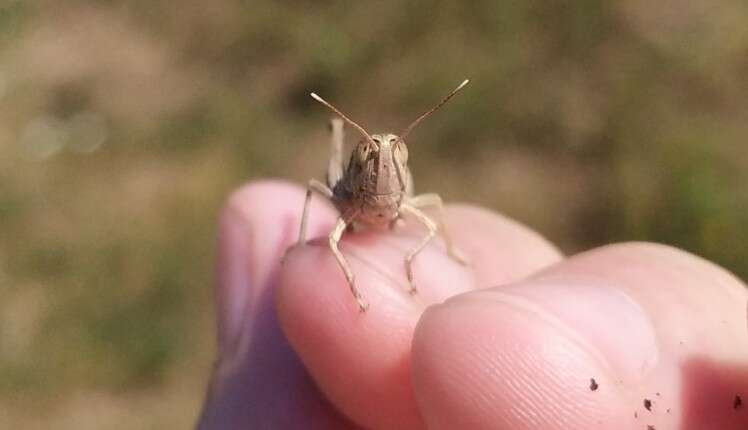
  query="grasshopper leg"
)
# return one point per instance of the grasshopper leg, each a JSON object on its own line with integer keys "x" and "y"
{"x": 336, "y": 167}
{"x": 314, "y": 185}
{"x": 431, "y": 226}
{"x": 334, "y": 238}
{"x": 431, "y": 199}
{"x": 334, "y": 173}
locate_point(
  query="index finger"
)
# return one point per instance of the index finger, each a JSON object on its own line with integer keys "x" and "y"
{"x": 361, "y": 361}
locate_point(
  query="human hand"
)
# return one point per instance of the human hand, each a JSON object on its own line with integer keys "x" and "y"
{"x": 513, "y": 343}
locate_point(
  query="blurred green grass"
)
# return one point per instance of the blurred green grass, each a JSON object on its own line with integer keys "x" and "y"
{"x": 124, "y": 124}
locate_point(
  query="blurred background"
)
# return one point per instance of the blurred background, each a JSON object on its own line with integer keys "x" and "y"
{"x": 125, "y": 124}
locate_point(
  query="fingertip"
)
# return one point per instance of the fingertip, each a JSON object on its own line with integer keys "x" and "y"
{"x": 359, "y": 360}
{"x": 658, "y": 329}
{"x": 485, "y": 363}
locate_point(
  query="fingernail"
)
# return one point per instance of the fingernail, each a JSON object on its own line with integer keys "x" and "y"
{"x": 604, "y": 319}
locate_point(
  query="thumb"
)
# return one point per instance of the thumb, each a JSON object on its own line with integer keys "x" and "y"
{"x": 661, "y": 332}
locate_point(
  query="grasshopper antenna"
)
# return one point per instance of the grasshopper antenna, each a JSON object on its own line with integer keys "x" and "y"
{"x": 348, "y": 120}
{"x": 432, "y": 110}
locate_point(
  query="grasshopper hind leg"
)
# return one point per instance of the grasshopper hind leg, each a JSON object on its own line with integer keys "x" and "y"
{"x": 313, "y": 186}
{"x": 335, "y": 168}
{"x": 334, "y": 174}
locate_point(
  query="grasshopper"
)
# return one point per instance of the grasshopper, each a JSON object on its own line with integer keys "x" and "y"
{"x": 375, "y": 189}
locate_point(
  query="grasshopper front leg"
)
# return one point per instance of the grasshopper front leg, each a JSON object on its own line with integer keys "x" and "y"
{"x": 431, "y": 199}
{"x": 431, "y": 226}
{"x": 334, "y": 239}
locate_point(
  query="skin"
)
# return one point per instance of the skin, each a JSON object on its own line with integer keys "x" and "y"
{"x": 510, "y": 343}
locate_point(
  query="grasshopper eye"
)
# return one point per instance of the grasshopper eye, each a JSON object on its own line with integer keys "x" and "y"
{"x": 364, "y": 151}
{"x": 401, "y": 151}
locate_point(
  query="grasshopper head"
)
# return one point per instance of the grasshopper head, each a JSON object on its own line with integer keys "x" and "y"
{"x": 381, "y": 162}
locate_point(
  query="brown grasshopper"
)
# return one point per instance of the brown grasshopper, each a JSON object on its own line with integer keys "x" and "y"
{"x": 375, "y": 189}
